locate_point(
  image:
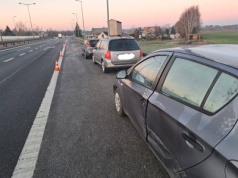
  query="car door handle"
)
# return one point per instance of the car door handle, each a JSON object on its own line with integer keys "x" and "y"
{"x": 192, "y": 142}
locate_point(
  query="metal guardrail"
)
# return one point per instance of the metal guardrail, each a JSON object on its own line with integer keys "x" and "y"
{"x": 14, "y": 42}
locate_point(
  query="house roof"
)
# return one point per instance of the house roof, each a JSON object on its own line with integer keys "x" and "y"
{"x": 115, "y": 20}
{"x": 98, "y": 30}
{"x": 146, "y": 29}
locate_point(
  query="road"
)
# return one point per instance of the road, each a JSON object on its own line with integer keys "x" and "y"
{"x": 84, "y": 136}
{"x": 25, "y": 73}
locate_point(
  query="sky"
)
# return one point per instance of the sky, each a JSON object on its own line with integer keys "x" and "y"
{"x": 57, "y": 14}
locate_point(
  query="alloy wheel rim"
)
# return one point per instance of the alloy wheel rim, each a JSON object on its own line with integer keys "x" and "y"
{"x": 103, "y": 67}
{"x": 117, "y": 102}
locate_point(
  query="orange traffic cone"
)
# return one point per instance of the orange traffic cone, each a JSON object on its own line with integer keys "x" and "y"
{"x": 57, "y": 66}
{"x": 61, "y": 55}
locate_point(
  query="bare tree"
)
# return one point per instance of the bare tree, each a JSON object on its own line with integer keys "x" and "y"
{"x": 21, "y": 27}
{"x": 189, "y": 21}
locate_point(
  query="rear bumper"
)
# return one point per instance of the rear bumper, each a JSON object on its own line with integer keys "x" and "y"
{"x": 109, "y": 64}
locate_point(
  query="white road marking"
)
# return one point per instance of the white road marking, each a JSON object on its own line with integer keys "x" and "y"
{"x": 27, "y": 161}
{"x": 30, "y": 51}
{"x": 13, "y": 48}
{"x": 8, "y": 60}
{"x": 23, "y": 48}
{"x": 49, "y": 47}
{"x": 22, "y": 54}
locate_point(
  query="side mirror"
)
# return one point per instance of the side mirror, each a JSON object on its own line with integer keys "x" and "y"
{"x": 121, "y": 75}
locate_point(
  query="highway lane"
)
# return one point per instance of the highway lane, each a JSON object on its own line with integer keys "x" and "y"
{"x": 13, "y": 59}
{"x": 25, "y": 73}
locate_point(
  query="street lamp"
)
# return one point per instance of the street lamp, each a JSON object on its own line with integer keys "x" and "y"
{"x": 77, "y": 22}
{"x": 14, "y": 23}
{"x": 73, "y": 26}
{"x": 82, "y": 14}
{"x": 108, "y": 24}
{"x": 29, "y": 14}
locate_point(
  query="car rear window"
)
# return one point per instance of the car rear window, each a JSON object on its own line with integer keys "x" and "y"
{"x": 93, "y": 43}
{"x": 123, "y": 45}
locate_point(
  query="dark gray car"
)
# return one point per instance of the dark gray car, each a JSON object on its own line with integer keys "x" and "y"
{"x": 88, "y": 46}
{"x": 184, "y": 103}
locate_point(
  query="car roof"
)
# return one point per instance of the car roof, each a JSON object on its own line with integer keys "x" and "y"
{"x": 222, "y": 53}
{"x": 91, "y": 39}
{"x": 119, "y": 37}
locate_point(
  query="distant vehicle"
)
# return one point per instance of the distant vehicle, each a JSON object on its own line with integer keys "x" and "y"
{"x": 88, "y": 46}
{"x": 183, "y": 102}
{"x": 116, "y": 52}
{"x": 60, "y": 36}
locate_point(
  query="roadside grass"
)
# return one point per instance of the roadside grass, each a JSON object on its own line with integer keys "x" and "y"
{"x": 150, "y": 46}
{"x": 220, "y": 37}
{"x": 209, "y": 37}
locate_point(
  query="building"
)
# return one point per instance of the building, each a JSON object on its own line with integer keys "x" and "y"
{"x": 115, "y": 28}
{"x": 95, "y": 32}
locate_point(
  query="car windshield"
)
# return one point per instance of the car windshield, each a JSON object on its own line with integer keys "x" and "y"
{"x": 123, "y": 45}
{"x": 93, "y": 43}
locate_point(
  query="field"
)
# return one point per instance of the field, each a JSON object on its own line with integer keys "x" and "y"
{"x": 149, "y": 46}
{"x": 211, "y": 37}
{"x": 221, "y": 37}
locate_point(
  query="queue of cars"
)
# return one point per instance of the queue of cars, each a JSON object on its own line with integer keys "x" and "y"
{"x": 114, "y": 52}
{"x": 183, "y": 102}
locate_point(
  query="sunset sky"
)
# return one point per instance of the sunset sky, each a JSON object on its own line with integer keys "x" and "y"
{"x": 57, "y": 14}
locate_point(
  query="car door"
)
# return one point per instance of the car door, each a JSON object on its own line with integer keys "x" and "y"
{"x": 96, "y": 51}
{"x": 136, "y": 90}
{"x": 180, "y": 130}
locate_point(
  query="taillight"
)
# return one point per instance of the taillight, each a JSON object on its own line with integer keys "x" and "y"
{"x": 88, "y": 44}
{"x": 141, "y": 53}
{"x": 108, "y": 55}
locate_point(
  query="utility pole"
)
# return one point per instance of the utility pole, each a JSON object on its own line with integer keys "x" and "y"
{"x": 108, "y": 24}
{"x": 82, "y": 15}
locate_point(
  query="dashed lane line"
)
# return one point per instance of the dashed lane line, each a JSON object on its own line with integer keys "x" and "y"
{"x": 30, "y": 51}
{"x": 22, "y": 54}
{"x": 8, "y": 60}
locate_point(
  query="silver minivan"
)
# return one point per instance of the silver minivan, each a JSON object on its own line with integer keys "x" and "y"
{"x": 116, "y": 52}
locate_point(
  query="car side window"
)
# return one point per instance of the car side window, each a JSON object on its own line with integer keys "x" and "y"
{"x": 101, "y": 45}
{"x": 188, "y": 81}
{"x": 223, "y": 91}
{"x": 105, "y": 45}
{"x": 98, "y": 44}
{"x": 146, "y": 72}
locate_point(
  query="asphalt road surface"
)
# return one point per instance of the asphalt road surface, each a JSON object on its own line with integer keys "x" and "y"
{"x": 25, "y": 73}
{"x": 84, "y": 136}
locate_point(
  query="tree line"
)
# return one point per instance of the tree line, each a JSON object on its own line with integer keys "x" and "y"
{"x": 22, "y": 30}
{"x": 189, "y": 23}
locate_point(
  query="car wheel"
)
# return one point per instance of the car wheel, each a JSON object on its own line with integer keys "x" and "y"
{"x": 118, "y": 103}
{"x": 85, "y": 56}
{"x": 94, "y": 60}
{"x": 104, "y": 68}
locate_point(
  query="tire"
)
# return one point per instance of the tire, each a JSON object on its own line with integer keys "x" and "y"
{"x": 94, "y": 60}
{"x": 118, "y": 104}
{"x": 104, "y": 68}
{"x": 85, "y": 55}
